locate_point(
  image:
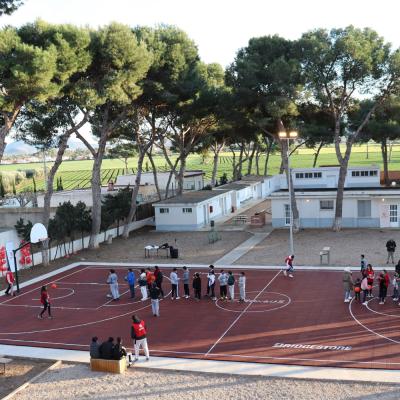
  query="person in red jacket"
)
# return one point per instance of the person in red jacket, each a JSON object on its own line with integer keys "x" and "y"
{"x": 45, "y": 300}
{"x": 10, "y": 282}
{"x": 139, "y": 336}
{"x": 370, "y": 279}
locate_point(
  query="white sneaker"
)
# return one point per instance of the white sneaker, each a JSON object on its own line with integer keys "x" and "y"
{"x": 346, "y": 300}
{"x": 285, "y": 273}
{"x": 365, "y": 303}
{"x": 381, "y": 302}
{"x": 349, "y": 297}
{"x": 290, "y": 276}
{"x": 177, "y": 298}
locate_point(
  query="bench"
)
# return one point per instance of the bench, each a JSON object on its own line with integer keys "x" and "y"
{"x": 325, "y": 253}
{"x": 240, "y": 219}
{"x": 4, "y": 361}
{"x": 213, "y": 237}
{"x": 114, "y": 366}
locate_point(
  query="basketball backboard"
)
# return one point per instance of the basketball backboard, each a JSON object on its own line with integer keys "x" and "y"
{"x": 38, "y": 233}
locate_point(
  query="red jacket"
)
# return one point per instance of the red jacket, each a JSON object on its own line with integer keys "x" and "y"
{"x": 10, "y": 277}
{"x": 387, "y": 280}
{"x": 138, "y": 331}
{"x": 44, "y": 297}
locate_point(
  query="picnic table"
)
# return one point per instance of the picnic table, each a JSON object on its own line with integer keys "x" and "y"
{"x": 153, "y": 249}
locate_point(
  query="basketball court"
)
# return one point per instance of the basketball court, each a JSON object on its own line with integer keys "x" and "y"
{"x": 300, "y": 321}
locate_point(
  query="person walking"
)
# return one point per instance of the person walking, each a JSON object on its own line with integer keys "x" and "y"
{"x": 45, "y": 300}
{"x": 365, "y": 289}
{"x": 197, "y": 286}
{"x": 131, "y": 279}
{"x": 185, "y": 279}
{"x": 391, "y": 248}
{"x": 139, "y": 337}
{"x": 223, "y": 282}
{"x": 112, "y": 280}
{"x": 289, "y": 266}
{"x": 10, "y": 282}
{"x": 158, "y": 275}
{"x": 155, "y": 299}
{"x": 370, "y": 277}
{"x": 231, "y": 286}
{"x": 211, "y": 285}
{"x": 363, "y": 263}
{"x": 174, "y": 284}
{"x": 347, "y": 284}
{"x": 143, "y": 284}
{"x": 242, "y": 287}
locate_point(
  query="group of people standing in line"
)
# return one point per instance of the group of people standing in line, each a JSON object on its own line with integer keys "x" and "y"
{"x": 364, "y": 285}
{"x": 150, "y": 282}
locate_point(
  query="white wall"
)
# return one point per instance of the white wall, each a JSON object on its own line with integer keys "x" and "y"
{"x": 195, "y": 182}
{"x": 147, "y": 177}
{"x": 74, "y": 196}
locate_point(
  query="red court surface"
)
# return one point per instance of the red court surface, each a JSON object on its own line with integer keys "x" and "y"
{"x": 300, "y": 321}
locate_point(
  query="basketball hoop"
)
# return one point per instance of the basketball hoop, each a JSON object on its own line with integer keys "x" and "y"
{"x": 38, "y": 233}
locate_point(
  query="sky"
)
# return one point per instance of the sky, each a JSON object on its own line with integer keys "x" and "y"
{"x": 220, "y": 27}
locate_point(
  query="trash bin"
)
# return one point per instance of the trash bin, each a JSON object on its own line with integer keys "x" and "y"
{"x": 174, "y": 253}
{"x": 212, "y": 223}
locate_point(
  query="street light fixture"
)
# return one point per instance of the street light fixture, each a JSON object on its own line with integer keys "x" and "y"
{"x": 292, "y": 135}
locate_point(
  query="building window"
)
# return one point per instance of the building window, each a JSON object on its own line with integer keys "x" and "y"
{"x": 364, "y": 173}
{"x": 326, "y": 205}
{"x": 299, "y": 175}
{"x": 393, "y": 213}
{"x": 373, "y": 173}
{"x": 308, "y": 175}
{"x": 364, "y": 208}
{"x": 355, "y": 173}
{"x": 317, "y": 174}
{"x": 187, "y": 210}
{"x": 287, "y": 215}
{"x": 164, "y": 210}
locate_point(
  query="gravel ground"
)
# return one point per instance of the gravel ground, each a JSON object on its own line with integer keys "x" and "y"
{"x": 346, "y": 247}
{"x": 75, "y": 381}
{"x": 18, "y": 372}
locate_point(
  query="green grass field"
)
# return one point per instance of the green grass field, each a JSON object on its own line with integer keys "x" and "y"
{"x": 76, "y": 174}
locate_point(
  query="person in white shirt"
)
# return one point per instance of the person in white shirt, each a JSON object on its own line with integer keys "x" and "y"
{"x": 143, "y": 284}
{"x": 112, "y": 280}
{"x": 242, "y": 287}
{"x": 174, "y": 282}
{"x": 223, "y": 282}
{"x": 231, "y": 286}
{"x": 211, "y": 285}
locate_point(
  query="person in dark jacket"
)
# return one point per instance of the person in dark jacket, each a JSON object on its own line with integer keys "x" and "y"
{"x": 155, "y": 299}
{"x": 397, "y": 267}
{"x": 197, "y": 286}
{"x": 159, "y": 278}
{"x": 106, "y": 349}
{"x": 139, "y": 336}
{"x": 119, "y": 351}
{"x": 94, "y": 348}
{"x": 390, "y": 247}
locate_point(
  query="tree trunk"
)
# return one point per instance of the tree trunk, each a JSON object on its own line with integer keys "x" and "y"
{"x": 96, "y": 193}
{"x": 233, "y": 163}
{"x": 126, "y": 165}
{"x": 251, "y": 157}
{"x": 316, "y": 155}
{"x": 269, "y": 148}
{"x": 385, "y": 161}
{"x": 258, "y": 154}
{"x": 181, "y": 173}
{"x": 390, "y": 150}
{"x": 8, "y": 122}
{"x": 3, "y": 134}
{"x": 217, "y": 149}
{"x": 344, "y": 161}
{"x": 240, "y": 163}
{"x": 135, "y": 191}
{"x": 171, "y": 173}
{"x": 153, "y": 166}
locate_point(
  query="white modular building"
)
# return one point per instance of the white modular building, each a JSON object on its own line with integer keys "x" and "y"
{"x": 192, "y": 210}
{"x": 366, "y": 204}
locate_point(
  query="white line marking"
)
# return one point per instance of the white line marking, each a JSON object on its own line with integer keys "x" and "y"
{"x": 52, "y": 307}
{"x": 108, "y": 302}
{"x": 72, "y": 291}
{"x": 366, "y": 327}
{"x": 241, "y": 314}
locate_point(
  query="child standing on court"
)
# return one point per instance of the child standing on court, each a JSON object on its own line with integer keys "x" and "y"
{"x": 143, "y": 284}
{"x": 185, "y": 279}
{"x": 223, "y": 282}
{"x": 131, "y": 279}
{"x": 242, "y": 287}
{"x": 289, "y": 266}
{"x": 10, "y": 282}
{"x": 174, "y": 283}
{"x": 363, "y": 263}
{"x": 357, "y": 289}
{"x": 231, "y": 286}
{"x": 112, "y": 280}
{"x": 197, "y": 286}
{"x": 395, "y": 283}
{"x": 45, "y": 300}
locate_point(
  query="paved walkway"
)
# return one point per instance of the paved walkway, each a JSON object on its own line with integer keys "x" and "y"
{"x": 242, "y": 249}
{"x": 221, "y": 367}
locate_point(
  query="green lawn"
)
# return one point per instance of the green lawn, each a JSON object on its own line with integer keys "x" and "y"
{"x": 76, "y": 174}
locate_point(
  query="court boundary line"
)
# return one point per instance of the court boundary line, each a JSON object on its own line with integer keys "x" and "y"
{"x": 240, "y": 315}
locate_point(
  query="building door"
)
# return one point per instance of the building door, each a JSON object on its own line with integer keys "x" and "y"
{"x": 205, "y": 214}
{"x": 393, "y": 216}
{"x": 287, "y": 214}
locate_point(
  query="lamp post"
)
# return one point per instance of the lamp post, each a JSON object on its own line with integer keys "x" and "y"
{"x": 289, "y": 136}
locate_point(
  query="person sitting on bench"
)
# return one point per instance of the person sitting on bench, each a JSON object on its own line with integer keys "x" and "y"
{"x": 94, "y": 348}
{"x": 119, "y": 351}
{"x": 106, "y": 349}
